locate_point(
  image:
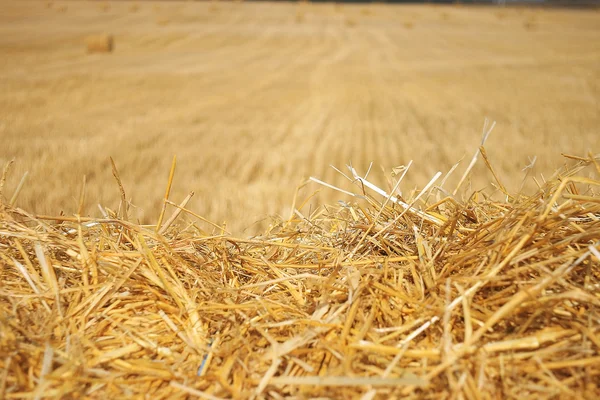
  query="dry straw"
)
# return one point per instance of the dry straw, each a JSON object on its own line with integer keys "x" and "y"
{"x": 103, "y": 43}
{"x": 384, "y": 297}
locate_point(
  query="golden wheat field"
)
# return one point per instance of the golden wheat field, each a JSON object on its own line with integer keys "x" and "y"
{"x": 253, "y": 98}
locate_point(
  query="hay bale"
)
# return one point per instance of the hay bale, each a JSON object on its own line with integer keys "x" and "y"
{"x": 401, "y": 296}
{"x": 99, "y": 43}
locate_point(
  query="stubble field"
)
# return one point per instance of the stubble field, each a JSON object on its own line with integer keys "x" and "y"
{"x": 253, "y": 98}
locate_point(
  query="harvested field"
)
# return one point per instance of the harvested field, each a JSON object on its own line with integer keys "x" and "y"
{"x": 252, "y": 98}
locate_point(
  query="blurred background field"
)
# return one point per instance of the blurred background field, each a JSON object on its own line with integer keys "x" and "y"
{"x": 255, "y": 97}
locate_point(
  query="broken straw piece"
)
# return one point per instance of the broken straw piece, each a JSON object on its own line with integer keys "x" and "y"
{"x": 396, "y": 200}
{"x": 383, "y": 193}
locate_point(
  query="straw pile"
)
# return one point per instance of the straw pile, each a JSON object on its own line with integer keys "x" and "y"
{"x": 380, "y": 298}
{"x": 103, "y": 43}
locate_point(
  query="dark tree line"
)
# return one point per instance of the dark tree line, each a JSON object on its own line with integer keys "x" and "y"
{"x": 562, "y": 3}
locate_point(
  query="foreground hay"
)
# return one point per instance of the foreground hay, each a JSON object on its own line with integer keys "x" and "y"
{"x": 484, "y": 299}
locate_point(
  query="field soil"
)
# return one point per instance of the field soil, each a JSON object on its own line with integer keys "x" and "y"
{"x": 255, "y": 97}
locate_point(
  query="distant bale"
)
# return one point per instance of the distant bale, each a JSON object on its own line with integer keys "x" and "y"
{"x": 99, "y": 43}
{"x": 530, "y": 24}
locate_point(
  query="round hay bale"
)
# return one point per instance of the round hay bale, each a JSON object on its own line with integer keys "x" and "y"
{"x": 99, "y": 43}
